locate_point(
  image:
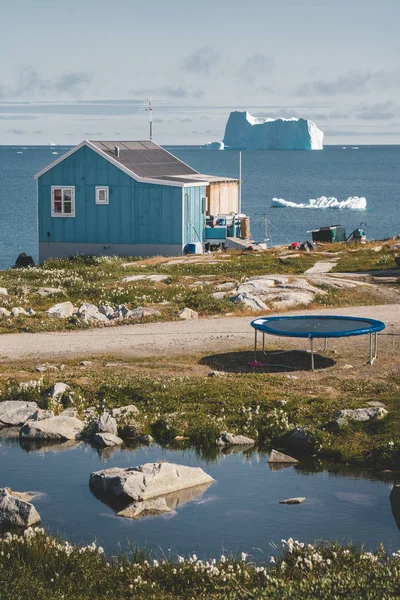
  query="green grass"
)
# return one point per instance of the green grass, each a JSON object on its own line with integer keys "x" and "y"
{"x": 98, "y": 280}
{"x": 40, "y": 567}
{"x": 201, "y": 408}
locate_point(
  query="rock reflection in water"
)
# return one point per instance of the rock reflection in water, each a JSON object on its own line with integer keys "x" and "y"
{"x": 154, "y": 506}
{"x": 395, "y": 503}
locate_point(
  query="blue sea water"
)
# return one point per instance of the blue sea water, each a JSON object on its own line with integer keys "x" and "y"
{"x": 369, "y": 171}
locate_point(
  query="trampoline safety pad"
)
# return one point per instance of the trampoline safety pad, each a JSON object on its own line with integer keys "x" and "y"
{"x": 316, "y": 326}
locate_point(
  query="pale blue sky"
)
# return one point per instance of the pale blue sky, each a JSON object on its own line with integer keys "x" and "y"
{"x": 82, "y": 69}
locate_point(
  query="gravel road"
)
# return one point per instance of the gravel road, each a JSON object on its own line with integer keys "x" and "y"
{"x": 174, "y": 338}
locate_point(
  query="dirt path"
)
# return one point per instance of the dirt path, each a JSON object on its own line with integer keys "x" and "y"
{"x": 178, "y": 338}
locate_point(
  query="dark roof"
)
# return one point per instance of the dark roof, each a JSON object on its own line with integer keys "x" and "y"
{"x": 145, "y": 159}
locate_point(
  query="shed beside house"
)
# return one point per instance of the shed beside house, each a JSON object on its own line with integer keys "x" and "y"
{"x": 128, "y": 199}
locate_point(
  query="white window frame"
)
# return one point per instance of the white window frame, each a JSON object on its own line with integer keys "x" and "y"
{"x": 102, "y": 187}
{"x": 70, "y": 188}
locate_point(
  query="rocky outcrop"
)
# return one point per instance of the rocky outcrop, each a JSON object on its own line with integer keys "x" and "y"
{"x": 104, "y": 424}
{"x": 89, "y": 312}
{"x": 229, "y": 439}
{"x": 4, "y": 313}
{"x": 49, "y": 291}
{"x": 55, "y": 429}
{"x": 250, "y": 300}
{"x": 363, "y": 414}
{"x": 147, "y": 481}
{"x": 278, "y": 457}
{"x": 15, "y": 512}
{"x": 156, "y": 278}
{"x": 16, "y": 412}
{"x": 63, "y": 310}
{"x": 298, "y": 500}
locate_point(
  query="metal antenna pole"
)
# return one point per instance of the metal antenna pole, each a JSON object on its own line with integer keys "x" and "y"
{"x": 266, "y": 230}
{"x": 240, "y": 182}
{"x": 150, "y": 111}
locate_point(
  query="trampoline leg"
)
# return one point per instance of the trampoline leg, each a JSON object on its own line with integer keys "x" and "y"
{"x": 263, "y": 347}
{"x": 373, "y": 348}
{"x": 255, "y": 345}
{"x": 326, "y": 344}
{"x": 312, "y": 353}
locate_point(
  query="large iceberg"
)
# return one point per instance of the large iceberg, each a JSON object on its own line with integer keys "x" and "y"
{"x": 243, "y": 131}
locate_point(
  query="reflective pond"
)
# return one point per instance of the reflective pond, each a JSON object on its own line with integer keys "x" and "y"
{"x": 239, "y": 512}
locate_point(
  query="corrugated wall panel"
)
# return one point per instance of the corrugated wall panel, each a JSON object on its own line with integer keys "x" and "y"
{"x": 137, "y": 213}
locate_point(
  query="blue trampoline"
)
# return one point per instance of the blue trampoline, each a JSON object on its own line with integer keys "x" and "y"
{"x": 315, "y": 327}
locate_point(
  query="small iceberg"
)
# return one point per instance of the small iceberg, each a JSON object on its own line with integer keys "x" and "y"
{"x": 214, "y": 146}
{"x": 353, "y": 202}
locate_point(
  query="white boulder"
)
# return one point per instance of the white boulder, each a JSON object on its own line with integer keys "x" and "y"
{"x": 63, "y": 310}
{"x": 187, "y": 313}
{"x": 3, "y": 291}
{"x": 54, "y": 429}
{"x": 89, "y": 312}
{"x": 105, "y": 440}
{"x": 15, "y": 512}
{"x": 147, "y": 481}
{"x": 4, "y": 312}
{"x": 58, "y": 390}
{"x": 16, "y": 412}
{"x": 278, "y": 457}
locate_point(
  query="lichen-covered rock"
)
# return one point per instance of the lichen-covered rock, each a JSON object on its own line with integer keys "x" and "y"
{"x": 363, "y": 414}
{"x": 278, "y": 457}
{"x": 4, "y": 313}
{"x": 55, "y": 429}
{"x": 16, "y": 412}
{"x": 147, "y": 481}
{"x": 230, "y": 439}
{"x": 40, "y": 415}
{"x": 250, "y": 300}
{"x": 62, "y": 310}
{"x": 3, "y": 291}
{"x": 15, "y": 512}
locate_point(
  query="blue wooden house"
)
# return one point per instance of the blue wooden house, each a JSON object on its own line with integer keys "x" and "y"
{"x": 129, "y": 199}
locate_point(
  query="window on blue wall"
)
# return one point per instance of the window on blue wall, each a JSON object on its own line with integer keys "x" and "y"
{"x": 101, "y": 194}
{"x": 63, "y": 201}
